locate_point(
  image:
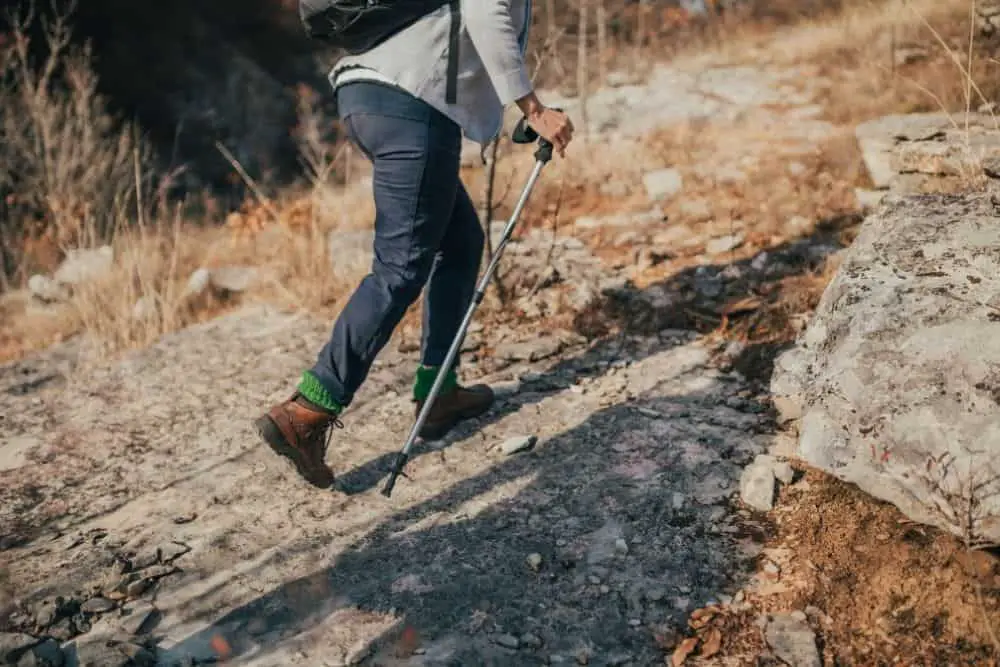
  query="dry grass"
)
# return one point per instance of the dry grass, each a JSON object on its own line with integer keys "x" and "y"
{"x": 78, "y": 153}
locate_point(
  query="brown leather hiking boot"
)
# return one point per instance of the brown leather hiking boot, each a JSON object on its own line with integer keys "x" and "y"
{"x": 454, "y": 406}
{"x": 300, "y": 434}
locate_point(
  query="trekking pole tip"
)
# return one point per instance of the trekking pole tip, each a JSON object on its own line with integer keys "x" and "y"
{"x": 397, "y": 470}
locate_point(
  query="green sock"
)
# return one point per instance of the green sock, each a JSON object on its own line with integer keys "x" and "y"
{"x": 314, "y": 392}
{"x": 426, "y": 375}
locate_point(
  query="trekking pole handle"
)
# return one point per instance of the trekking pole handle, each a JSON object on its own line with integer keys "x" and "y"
{"x": 525, "y": 134}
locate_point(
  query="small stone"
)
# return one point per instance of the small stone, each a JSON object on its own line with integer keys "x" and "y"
{"x": 869, "y": 199}
{"x": 634, "y": 622}
{"x": 535, "y": 561}
{"x": 137, "y": 588}
{"x": 677, "y": 501}
{"x": 621, "y": 546}
{"x": 656, "y": 594}
{"x": 84, "y": 265}
{"x": 594, "y": 580}
{"x": 757, "y": 484}
{"x": 158, "y": 571}
{"x": 605, "y": 589}
{"x": 760, "y": 261}
{"x": 724, "y": 244}
{"x": 47, "y": 290}
{"x": 583, "y": 656}
{"x": 771, "y": 568}
{"x": 507, "y": 641}
{"x": 619, "y": 659}
{"x": 97, "y": 606}
{"x": 784, "y": 472}
{"x": 145, "y": 559}
{"x": 662, "y": 184}
{"x": 198, "y": 283}
{"x": 529, "y": 640}
{"x": 234, "y": 278}
{"x": 139, "y": 616}
{"x": 991, "y": 167}
{"x": 185, "y": 518}
{"x": 507, "y": 389}
{"x": 799, "y": 615}
{"x": 792, "y": 640}
{"x": 518, "y": 444}
{"x": 172, "y": 551}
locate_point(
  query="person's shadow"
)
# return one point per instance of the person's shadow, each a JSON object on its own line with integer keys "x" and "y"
{"x": 609, "y": 541}
{"x": 617, "y": 530}
{"x": 695, "y": 296}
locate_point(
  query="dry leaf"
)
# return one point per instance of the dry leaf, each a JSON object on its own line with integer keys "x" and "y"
{"x": 712, "y": 643}
{"x": 701, "y": 617}
{"x": 682, "y": 652}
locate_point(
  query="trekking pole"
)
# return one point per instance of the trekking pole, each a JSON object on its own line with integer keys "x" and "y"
{"x": 523, "y": 134}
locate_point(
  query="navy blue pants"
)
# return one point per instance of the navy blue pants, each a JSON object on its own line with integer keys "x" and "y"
{"x": 427, "y": 232}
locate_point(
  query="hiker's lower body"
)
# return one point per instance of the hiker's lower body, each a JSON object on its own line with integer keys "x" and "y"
{"x": 427, "y": 233}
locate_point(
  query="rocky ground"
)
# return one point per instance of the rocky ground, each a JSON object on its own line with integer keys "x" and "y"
{"x": 611, "y": 510}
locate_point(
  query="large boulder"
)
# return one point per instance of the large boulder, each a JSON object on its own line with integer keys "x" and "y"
{"x": 895, "y": 383}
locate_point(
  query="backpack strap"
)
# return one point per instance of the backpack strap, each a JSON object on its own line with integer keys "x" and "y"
{"x": 451, "y": 84}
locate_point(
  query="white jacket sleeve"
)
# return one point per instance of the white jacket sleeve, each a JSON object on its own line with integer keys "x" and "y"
{"x": 491, "y": 29}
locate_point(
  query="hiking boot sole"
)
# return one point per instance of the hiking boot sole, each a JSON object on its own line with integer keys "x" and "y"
{"x": 272, "y": 435}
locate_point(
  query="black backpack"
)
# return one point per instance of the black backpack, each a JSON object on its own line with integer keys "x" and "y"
{"x": 359, "y": 25}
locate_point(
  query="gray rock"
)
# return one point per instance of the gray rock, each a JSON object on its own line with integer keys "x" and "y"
{"x": 139, "y": 616}
{"x": 517, "y": 444}
{"x": 792, "y": 640}
{"x": 895, "y": 376}
{"x": 235, "y": 278}
{"x": 991, "y": 167}
{"x": 198, "y": 283}
{"x": 904, "y": 152}
{"x": 172, "y": 551}
{"x": 757, "y": 484}
{"x": 723, "y": 244}
{"x": 83, "y": 265}
{"x": 695, "y": 209}
{"x": 534, "y": 350}
{"x": 507, "y": 641}
{"x": 662, "y": 184}
{"x": 529, "y": 640}
{"x": 783, "y": 471}
{"x": 46, "y": 289}
{"x": 869, "y": 199}
{"x": 619, "y": 659}
{"x": 97, "y": 606}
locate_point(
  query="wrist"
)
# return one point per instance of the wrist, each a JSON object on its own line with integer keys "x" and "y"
{"x": 530, "y": 105}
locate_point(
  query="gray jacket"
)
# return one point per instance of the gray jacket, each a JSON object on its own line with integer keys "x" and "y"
{"x": 491, "y": 69}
